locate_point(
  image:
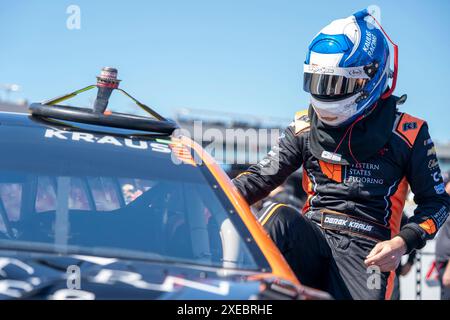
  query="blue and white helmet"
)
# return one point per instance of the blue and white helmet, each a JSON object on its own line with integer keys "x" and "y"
{"x": 347, "y": 69}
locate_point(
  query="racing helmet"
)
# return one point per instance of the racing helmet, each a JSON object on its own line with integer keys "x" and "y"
{"x": 347, "y": 69}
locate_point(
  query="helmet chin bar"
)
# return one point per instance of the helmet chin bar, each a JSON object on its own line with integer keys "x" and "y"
{"x": 335, "y": 108}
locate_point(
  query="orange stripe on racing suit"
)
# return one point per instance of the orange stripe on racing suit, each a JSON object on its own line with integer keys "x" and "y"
{"x": 271, "y": 212}
{"x": 397, "y": 204}
{"x": 308, "y": 187}
{"x": 332, "y": 171}
{"x": 390, "y": 285}
{"x": 242, "y": 174}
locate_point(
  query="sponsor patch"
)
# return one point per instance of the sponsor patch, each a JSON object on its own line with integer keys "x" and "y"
{"x": 335, "y": 221}
{"x": 350, "y": 224}
{"x": 409, "y": 126}
{"x": 264, "y": 162}
{"x": 431, "y": 151}
{"x": 432, "y": 164}
{"x": 331, "y": 156}
{"x": 365, "y": 173}
{"x": 440, "y": 188}
{"x": 428, "y": 142}
{"x": 441, "y": 216}
{"x": 437, "y": 176}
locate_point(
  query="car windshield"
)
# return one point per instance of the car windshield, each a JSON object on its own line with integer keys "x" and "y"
{"x": 93, "y": 191}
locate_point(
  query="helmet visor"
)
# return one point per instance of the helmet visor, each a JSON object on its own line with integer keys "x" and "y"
{"x": 331, "y": 85}
{"x": 333, "y": 81}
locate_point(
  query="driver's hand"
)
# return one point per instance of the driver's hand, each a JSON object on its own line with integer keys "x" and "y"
{"x": 387, "y": 255}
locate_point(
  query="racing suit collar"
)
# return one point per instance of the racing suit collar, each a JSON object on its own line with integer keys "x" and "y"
{"x": 369, "y": 135}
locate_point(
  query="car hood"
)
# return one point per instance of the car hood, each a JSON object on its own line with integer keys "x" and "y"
{"x": 44, "y": 276}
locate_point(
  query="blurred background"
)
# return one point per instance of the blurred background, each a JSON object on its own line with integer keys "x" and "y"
{"x": 232, "y": 64}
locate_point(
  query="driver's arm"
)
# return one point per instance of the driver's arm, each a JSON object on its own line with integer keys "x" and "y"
{"x": 260, "y": 179}
{"x": 433, "y": 203}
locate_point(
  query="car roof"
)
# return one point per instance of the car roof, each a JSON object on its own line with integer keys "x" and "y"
{"x": 27, "y": 120}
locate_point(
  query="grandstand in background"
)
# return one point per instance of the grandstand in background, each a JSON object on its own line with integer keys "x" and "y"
{"x": 226, "y": 120}
{"x": 6, "y": 106}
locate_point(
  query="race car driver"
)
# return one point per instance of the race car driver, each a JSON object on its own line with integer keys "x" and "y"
{"x": 359, "y": 155}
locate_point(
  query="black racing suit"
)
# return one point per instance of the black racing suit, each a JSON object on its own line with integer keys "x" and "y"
{"x": 320, "y": 247}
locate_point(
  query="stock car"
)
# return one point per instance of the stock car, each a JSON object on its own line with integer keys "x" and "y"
{"x": 105, "y": 205}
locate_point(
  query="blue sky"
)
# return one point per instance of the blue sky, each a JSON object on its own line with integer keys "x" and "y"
{"x": 236, "y": 56}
